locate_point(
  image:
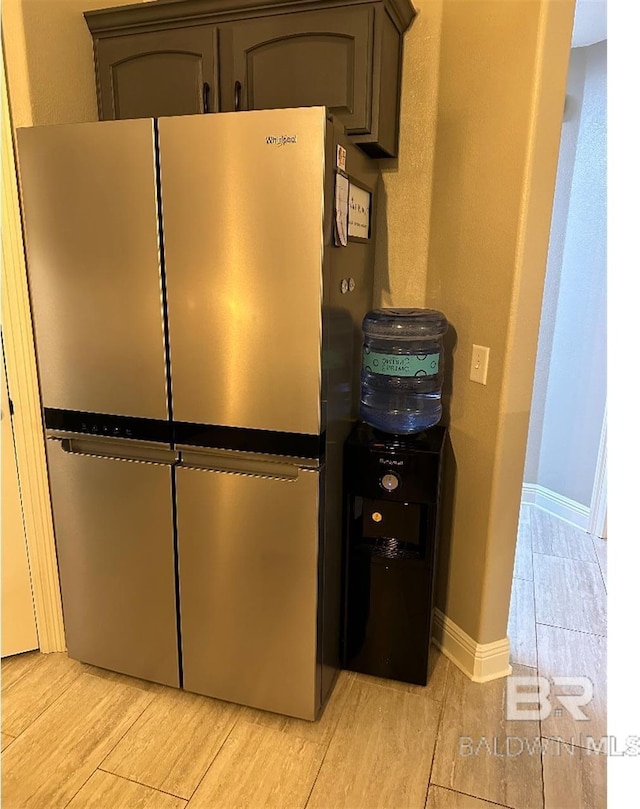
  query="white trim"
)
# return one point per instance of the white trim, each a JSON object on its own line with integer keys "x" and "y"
{"x": 481, "y": 662}
{"x": 598, "y": 509}
{"x": 27, "y": 420}
{"x": 562, "y": 507}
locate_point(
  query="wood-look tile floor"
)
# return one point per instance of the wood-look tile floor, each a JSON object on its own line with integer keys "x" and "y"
{"x": 558, "y": 627}
{"x": 79, "y": 737}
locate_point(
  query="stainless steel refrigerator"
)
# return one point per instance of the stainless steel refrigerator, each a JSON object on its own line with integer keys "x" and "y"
{"x": 197, "y": 291}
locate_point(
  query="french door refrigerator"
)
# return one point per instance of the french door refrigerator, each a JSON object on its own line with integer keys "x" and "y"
{"x": 197, "y": 297}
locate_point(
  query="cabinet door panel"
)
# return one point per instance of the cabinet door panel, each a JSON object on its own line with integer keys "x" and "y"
{"x": 317, "y": 58}
{"x": 157, "y": 74}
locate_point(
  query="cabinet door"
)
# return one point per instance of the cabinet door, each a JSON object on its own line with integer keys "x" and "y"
{"x": 157, "y": 74}
{"x": 314, "y": 58}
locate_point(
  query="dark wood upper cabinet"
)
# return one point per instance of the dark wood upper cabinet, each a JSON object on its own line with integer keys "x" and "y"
{"x": 301, "y": 60}
{"x": 158, "y": 73}
{"x": 175, "y": 57}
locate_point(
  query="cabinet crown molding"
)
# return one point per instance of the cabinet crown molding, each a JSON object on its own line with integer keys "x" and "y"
{"x": 172, "y": 13}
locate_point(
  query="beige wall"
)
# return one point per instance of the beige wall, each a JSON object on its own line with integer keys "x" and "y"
{"x": 50, "y": 60}
{"x": 481, "y": 146}
{"x": 402, "y": 244}
{"x": 467, "y": 208}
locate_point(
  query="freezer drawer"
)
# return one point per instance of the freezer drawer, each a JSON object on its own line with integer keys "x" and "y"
{"x": 248, "y": 552}
{"x": 114, "y": 534}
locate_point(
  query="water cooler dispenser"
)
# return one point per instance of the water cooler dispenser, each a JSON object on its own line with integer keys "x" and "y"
{"x": 392, "y": 499}
{"x": 392, "y": 479}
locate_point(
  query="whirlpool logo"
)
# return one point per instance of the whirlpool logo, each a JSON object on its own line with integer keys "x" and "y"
{"x": 280, "y": 140}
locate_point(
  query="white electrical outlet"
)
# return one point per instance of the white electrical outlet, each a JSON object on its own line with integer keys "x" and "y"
{"x": 479, "y": 364}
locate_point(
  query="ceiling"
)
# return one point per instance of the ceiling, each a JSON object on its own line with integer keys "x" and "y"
{"x": 590, "y": 22}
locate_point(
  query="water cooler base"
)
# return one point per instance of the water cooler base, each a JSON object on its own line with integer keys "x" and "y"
{"x": 392, "y": 495}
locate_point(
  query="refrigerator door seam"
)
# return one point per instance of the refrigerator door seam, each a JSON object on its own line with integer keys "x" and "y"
{"x": 163, "y": 273}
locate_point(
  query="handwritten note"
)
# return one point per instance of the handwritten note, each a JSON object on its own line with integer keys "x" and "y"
{"x": 342, "y": 210}
{"x": 359, "y": 212}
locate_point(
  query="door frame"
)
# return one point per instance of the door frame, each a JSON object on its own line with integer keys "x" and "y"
{"x": 22, "y": 379}
{"x": 19, "y": 630}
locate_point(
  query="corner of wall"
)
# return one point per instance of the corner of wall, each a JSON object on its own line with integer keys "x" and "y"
{"x": 15, "y": 63}
{"x": 549, "y": 81}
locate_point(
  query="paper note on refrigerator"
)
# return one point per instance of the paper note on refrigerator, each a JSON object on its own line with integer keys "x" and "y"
{"x": 342, "y": 209}
{"x": 359, "y": 212}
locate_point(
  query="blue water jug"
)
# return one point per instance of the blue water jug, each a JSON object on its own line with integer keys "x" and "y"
{"x": 402, "y": 369}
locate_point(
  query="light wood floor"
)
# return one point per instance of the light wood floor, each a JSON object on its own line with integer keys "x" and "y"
{"x": 558, "y": 627}
{"x": 79, "y": 737}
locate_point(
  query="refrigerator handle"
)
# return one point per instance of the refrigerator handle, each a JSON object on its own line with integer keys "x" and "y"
{"x": 116, "y": 450}
{"x": 236, "y": 96}
{"x": 228, "y": 464}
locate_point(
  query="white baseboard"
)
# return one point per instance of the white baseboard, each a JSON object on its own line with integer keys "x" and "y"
{"x": 561, "y": 507}
{"x": 481, "y": 662}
